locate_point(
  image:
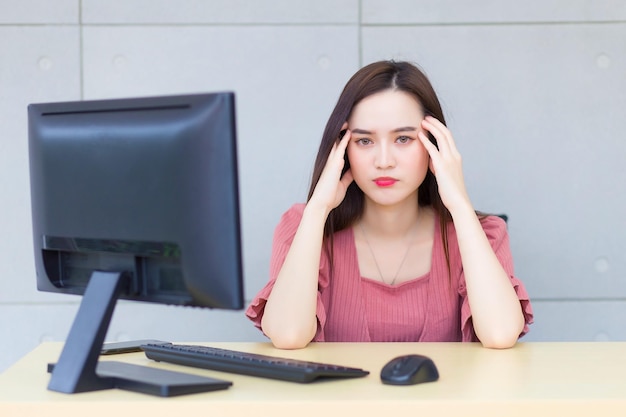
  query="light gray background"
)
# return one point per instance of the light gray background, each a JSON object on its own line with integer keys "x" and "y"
{"x": 534, "y": 92}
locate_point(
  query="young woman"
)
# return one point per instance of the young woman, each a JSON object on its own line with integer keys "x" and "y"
{"x": 388, "y": 246}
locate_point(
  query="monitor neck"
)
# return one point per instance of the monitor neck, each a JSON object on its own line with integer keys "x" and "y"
{"x": 76, "y": 368}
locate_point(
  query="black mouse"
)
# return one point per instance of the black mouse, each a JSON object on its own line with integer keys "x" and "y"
{"x": 409, "y": 370}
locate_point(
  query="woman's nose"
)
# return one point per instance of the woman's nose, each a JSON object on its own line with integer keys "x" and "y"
{"x": 384, "y": 156}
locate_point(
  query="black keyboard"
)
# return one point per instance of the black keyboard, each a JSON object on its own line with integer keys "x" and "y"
{"x": 248, "y": 363}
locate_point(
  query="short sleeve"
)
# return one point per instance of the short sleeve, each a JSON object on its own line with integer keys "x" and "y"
{"x": 496, "y": 231}
{"x": 283, "y": 237}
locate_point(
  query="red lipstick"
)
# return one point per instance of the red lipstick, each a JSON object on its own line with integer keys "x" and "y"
{"x": 385, "y": 181}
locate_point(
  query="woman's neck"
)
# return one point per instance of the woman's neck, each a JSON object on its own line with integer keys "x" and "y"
{"x": 391, "y": 221}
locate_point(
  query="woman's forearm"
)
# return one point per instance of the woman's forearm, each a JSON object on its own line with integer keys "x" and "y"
{"x": 496, "y": 311}
{"x": 289, "y": 319}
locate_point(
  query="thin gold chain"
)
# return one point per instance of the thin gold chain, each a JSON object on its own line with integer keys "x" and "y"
{"x": 376, "y": 262}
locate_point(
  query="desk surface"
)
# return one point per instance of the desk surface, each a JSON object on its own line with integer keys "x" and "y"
{"x": 544, "y": 378}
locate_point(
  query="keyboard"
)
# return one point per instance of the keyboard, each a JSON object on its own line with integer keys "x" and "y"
{"x": 245, "y": 363}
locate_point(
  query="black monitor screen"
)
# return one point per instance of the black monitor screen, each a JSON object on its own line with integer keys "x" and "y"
{"x": 144, "y": 189}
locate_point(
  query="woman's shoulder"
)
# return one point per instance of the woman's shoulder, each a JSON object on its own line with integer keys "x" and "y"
{"x": 495, "y": 227}
{"x": 492, "y": 224}
{"x": 289, "y": 222}
{"x": 294, "y": 212}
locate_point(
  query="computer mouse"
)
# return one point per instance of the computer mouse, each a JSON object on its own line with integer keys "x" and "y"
{"x": 409, "y": 370}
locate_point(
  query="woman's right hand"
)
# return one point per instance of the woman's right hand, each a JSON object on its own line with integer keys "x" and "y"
{"x": 331, "y": 187}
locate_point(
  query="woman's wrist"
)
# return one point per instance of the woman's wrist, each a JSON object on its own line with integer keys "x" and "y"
{"x": 316, "y": 210}
{"x": 462, "y": 211}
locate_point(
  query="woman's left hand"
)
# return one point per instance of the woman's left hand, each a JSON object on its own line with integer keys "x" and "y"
{"x": 446, "y": 165}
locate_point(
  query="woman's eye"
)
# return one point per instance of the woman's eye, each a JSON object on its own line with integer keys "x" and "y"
{"x": 403, "y": 139}
{"x": 363, "y": 141}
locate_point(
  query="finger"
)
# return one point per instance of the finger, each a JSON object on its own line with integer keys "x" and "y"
{"x": 343, "y": 143}
{"x": 342, "y": 131}
{"x": 435, "y": 156}
{"x": 336, "y": 155}
{"x": 441, "y": 133}
{"x": 436, "y": 124}
{"x": 438, "y": 134}
{"x": 430, "y": 147}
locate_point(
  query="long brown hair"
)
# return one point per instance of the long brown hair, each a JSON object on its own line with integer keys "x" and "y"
{"x": 372, "y": 79}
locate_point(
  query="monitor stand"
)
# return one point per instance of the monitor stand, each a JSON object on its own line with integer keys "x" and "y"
{"x": 78, "y": 368}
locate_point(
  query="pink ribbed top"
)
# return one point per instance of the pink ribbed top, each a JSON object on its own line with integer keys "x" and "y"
{"x": 351, "y": 308}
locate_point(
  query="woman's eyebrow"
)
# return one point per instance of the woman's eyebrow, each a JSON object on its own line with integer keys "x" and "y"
{"x": 399, "y": 129}
{"x": 405, "y": 129}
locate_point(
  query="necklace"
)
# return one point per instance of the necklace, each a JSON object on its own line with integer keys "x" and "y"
{"x": 408, "y": 248}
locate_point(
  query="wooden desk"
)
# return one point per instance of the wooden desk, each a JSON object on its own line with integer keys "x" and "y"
{"x": 555, "y": 379}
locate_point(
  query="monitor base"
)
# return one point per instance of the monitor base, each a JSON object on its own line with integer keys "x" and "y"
{"x": 158, "y": 382}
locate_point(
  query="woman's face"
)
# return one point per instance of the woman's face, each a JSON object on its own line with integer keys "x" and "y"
{"x": 387, "y": 159}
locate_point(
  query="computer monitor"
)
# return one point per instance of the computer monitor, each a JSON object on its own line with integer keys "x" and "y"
{"x": 136, "y": 199}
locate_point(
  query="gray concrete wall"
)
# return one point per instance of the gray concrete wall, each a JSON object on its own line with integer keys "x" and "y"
{"x": 534, "y": 92}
